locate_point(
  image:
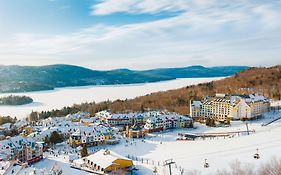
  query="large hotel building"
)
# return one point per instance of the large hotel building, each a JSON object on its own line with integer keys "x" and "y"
{"x": 224, "y": 107}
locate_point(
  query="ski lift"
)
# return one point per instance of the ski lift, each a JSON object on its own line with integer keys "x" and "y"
{"x": 206, "y": 164}
{"x": 257, "y": 155}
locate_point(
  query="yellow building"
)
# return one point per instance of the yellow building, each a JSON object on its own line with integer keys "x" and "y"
{"x": 27, "y": 131}
{"x": 104, "y": 161}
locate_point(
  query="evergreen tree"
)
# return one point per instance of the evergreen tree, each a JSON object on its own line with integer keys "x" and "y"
{"x": 84, "y": 151}
{"x": 190, "y": 125}
{"x": 142, "y": 109}
{"x": 207, "y": 121}
{"x": 55, "y": 138}
{"x": 46, "y": 140}
{"x": 210, "y": 122}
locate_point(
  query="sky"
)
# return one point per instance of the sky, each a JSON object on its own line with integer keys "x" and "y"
{"x": 140, "y": 34}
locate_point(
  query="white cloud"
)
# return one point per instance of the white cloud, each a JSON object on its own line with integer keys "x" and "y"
{"x": 210, "y": 34}
{"x": 106, "y": 7}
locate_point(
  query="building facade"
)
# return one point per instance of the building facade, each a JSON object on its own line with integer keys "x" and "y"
{"x": 125, "y": 119}
{"x": 134, "y": 132}
{"x": 224, "y": 107}
{"x": 24, "y": 150}
{"x": 91, "y": 136}
{"x": 105, "y": 162}
{"x": 162, "y": 122}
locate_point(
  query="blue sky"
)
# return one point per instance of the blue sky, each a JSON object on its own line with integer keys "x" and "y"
{"x": 140, "y": 34}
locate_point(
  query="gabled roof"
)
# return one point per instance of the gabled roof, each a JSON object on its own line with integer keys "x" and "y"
{"x": 91, "y": 130}
{"x": 104, "y": 158}
{"x": 15, "y": 143}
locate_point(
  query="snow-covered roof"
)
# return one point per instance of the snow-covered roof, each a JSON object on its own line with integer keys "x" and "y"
{"x": 90, "y": 120}
{"x": 6, "y": 126}
{"x": 78, "y": 162}
{"x": 78, "y": 115}
{"x": 91, "y": 130}
{"x": 235, "y": 99}
{"x": 21, "y": 123}
{"x": 6, "y": 146}
{"x": 132, "y": 115}
{"x": 196, "y": 104}
{"x": 166, "y": 117}
{"x": 103, "y": 114}
{"x": 105, "y": 158}
{"x": 4, "y": 165}
{"x": 256, "y": 98}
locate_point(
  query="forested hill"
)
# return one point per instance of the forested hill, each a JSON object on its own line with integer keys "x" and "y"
{"x": 34, "y": 78}
{"x": 266, "y": 81}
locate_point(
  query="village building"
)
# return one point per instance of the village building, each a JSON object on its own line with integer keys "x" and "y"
{"x": 125, "y": 119}
{"x": 105, "y": 161}
{"x": 23, "y": 150}
{"x": 90, "y": 136}
{"x": 20, "y": 124}
{"x": 77, "y": 116}
{"x": 162, "y": 122}
{"x": 6, "y": 126}
{"x": 224, "y": 107}
{"x": 27, "y": 130}
{"x": 134, "y": 132}
{"x": 46, "y": 127}
{"x": 87, "y": 121}
{"x": 103, "y": 115}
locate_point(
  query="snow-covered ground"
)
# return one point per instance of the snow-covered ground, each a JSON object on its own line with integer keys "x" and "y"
{"x": 220, "y": 153}
{"x": 60, "y": 97}
{"x": 190, "y": 155}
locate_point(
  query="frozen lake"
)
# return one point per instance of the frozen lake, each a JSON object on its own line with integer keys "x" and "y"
{"x": 60, "y": 97}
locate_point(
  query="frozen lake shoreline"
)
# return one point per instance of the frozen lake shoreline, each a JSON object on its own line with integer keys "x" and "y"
{"x": 60, "y": 97}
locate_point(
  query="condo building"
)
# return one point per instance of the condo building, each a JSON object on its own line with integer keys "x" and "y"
{"x": 161, "y": 122}
{"x": 91, "y": 136}
{"x": 21, "y": 149}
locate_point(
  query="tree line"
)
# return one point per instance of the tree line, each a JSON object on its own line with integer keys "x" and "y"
{"x": 15, "y": 100}
{"x": 7, "y": 119}
{"x": 262, "y": 80}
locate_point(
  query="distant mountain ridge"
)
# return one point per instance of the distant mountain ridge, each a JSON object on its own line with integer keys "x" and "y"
{"x": 34, "y": 78}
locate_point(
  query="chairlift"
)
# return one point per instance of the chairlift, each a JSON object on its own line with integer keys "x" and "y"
{"x": 206, "y": 164}
{"x": 257, "y": 155}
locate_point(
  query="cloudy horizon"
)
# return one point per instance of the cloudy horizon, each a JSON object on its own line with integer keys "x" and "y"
{"x": 140, "y": 34}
